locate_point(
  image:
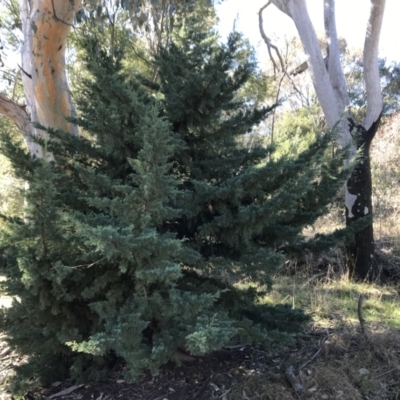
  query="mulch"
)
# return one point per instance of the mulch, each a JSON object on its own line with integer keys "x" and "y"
{"x": 206, "y": 378}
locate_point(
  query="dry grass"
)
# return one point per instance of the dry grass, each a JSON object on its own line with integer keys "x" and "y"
{"x": 334, "y": 360}
{"x": 385, "y": 156}
{"x": 341, "y": 362}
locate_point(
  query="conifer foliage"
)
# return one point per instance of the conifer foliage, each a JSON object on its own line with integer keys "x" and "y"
{"x": 134, "y": 236}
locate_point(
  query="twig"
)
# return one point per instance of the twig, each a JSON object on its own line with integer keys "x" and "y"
{"x": 8, "y": 366}
{"x": 86, "y": 265}
{"x": 15, "y": 84}
{"x": 274, "y": 111}
{"x": 28, "y": 75}
{"x": 316, "y": 353}
{"x": 360, "y": 315}
{"x": 65, "y": 392}
{"x": 314, "y": 277}
{"x": 312, "y": 358}
{"x": 270, "y": 46}
{"x": 297, "y": 386}
{"x": 385, "y": 373}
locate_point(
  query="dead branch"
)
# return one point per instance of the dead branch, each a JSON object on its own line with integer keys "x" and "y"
{"x": 274, "y": 111}
{"x": 28, "y": 75}
{"x": 316, "y": 353}
{"x": 360, "y": 314}
{"x": 15, "y": 113}
{"x": 299, "y": 69}
{"x": 270, "y": 47}
{"x": 294, "y": 381}
{"x": 303, "y": 67}
{"x": 267, "y": 40}
{"x": 65, "y": 392}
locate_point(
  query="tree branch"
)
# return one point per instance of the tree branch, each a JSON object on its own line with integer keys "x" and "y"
{"x": 270, "y": 46}
{"x": 15, "y": 113}
{"x": 297, "y": 10}
{"x": 28, "y": 75}
{"x": 371, "y": 66}
{"x": 332, "y": 60}
{"x": 267, "y": 40}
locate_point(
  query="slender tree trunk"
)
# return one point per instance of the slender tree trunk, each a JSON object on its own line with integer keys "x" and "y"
{"x": 332, "y": 93}
{"x": 360, "y": 252}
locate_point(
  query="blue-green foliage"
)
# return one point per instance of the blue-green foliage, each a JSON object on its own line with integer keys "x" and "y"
{"x": 136, "y": 232}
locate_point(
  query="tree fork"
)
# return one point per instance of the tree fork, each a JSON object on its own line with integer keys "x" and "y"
{"x": 361, "y": 251}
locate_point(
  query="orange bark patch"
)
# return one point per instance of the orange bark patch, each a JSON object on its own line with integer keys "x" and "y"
{"x": 51, "y": 22}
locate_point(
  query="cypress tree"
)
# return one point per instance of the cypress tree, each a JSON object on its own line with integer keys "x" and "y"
{"x": 134, "y": 236}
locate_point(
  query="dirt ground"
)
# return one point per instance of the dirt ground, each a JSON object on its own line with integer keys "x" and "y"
{"x": 327, "y": 363}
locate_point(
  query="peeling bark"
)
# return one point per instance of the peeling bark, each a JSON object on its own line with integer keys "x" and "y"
{"x": 45, "y": 27}
{"x": 361, "y": 251}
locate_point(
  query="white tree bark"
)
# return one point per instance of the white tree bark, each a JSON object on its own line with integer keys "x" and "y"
{"x": 371, "y": 67}
{"x": 328, "y": 79}
{"x": 335, "y": 71}
{"x": 337, "y": 89}
{"x": 329, "y": 98}
{"x": 45, "y": 27}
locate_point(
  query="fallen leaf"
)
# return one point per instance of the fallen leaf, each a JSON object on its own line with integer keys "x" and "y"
{"x": 224, "y": 395}
{"x": 236, "y": 346}
{"x": 214, "y": 386}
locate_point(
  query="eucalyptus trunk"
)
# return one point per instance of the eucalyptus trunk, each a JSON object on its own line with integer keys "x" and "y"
{"x": 332, "y": 93}
{"x": 45, "y": 27}
{"x": 360, "y": 252}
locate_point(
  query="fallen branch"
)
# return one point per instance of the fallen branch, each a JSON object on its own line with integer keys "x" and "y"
{"x": 360, "y": 314}
{"x": 312, "y": 358}
{"x": 316, "y": 353}
{"x": 297, "y": 386}
{"x": 268, "y": 41}
{"x": 385, "y": 373}
{"x": 65, "y": 392}
{"x": 8, "y": 366}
